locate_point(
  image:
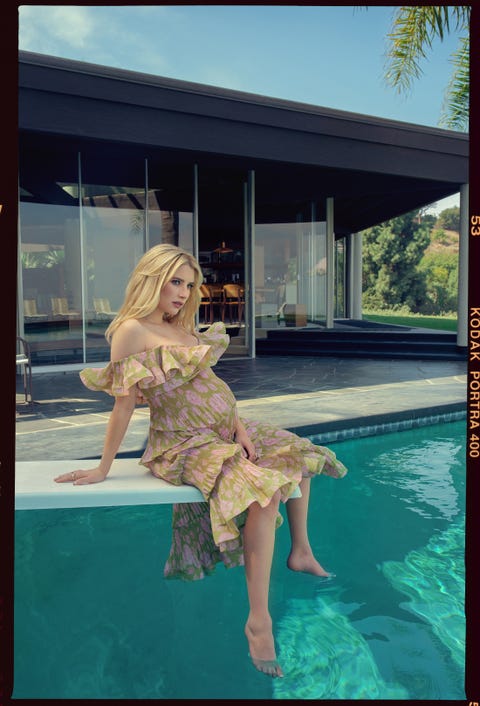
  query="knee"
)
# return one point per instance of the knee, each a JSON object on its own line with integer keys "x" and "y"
{"x": 270, "y": 508}
{"x": 275, "y": 501}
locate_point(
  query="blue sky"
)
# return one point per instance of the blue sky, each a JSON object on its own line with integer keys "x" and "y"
{"x": 324, "y": 55}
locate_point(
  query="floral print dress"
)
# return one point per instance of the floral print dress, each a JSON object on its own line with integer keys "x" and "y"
{"x": 193, "y": 415}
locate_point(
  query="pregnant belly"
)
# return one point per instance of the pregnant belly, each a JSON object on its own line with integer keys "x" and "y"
{"x": 198, "y": 405}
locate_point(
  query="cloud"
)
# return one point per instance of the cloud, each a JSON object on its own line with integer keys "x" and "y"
{"x": 105, "y": 35}
{"x": 42, "y": 28}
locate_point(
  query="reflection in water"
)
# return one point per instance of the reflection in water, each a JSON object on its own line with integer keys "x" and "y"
{"x": 433, "y": 579}
{"x": 328, "y": 655}
{"x": 325, "y": 657}
{"x": 429, "y": 486}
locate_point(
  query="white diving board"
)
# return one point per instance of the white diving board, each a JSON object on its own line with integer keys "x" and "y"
{"x": 128, "y": 483}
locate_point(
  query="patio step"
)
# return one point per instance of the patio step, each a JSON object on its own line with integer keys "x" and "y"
{"x": 395, "y": 343}
{"x": 237, "y": 346}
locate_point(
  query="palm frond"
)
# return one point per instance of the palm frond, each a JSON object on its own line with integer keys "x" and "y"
{"x": 413, "y": 32}
{"x": 455, "y": 109}
{"x": 407, "y": 39}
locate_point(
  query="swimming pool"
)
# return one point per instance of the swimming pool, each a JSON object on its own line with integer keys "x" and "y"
{"x": 94, "y": 617}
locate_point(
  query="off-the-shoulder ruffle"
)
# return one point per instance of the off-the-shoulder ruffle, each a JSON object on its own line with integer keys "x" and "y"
{"x": 163, "y": 365}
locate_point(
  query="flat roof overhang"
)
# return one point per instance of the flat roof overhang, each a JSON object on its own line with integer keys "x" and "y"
{"x": 375, "y": 169}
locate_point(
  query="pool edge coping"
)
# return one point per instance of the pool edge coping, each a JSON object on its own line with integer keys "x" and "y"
{"x": 356, "y": 427}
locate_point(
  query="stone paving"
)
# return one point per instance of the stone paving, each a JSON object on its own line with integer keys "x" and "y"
{"x": 305, "y": 394}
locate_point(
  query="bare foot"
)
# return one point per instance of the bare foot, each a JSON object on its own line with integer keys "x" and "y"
{"x": 262, "y": 649}
{"x": 306, "y": 563}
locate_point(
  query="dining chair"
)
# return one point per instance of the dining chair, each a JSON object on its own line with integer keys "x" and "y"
{"x": 233, "y": 300}
{"x": 206, "y": 304}
{"x": 216, "y": 294}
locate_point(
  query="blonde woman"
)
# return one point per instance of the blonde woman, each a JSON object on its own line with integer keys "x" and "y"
{"x": 244, "y": 469}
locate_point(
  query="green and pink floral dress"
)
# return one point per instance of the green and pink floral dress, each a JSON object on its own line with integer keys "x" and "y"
{"x": 191, "y": 440}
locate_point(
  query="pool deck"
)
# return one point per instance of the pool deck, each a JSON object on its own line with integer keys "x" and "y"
{"x": 329, "y": 398}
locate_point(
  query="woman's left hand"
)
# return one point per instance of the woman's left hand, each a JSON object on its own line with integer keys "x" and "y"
{"x": 242, "y": 438}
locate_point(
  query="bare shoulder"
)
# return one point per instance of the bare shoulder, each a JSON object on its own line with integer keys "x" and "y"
{"x": 129, "y": 338}
{"x": 131, "y": 326}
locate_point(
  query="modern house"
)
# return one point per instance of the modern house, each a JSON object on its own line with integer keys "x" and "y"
{"x": 271, "y": 195}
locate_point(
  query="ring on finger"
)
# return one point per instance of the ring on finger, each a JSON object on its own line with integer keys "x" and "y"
{"x": 73, "y": 475}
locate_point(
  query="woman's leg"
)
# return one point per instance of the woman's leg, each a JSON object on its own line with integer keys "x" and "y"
{"x": 301, "y": 557}
{"x": 259, "y": 542}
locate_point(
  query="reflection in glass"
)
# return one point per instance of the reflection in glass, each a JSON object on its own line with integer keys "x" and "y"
{"x": 167, "y": 225}
{"x": 50, "y": 306}
{"x": 113, "y": 222}
{"x": 290, "y": 273}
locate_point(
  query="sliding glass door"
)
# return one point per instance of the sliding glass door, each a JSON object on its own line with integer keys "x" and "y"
{"x": 290, "y": 271}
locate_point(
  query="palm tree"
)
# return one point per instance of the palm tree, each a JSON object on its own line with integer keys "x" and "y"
{"x": 413, "y": 31}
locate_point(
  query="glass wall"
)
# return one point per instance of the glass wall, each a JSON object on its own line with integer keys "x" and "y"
{"x": 290, "y": 271}
{"x": 86, "y": 219}
{"x": 221, "y": 237}
{"x": 50, "y": 304}
{"x": 170, "y": 204}
{"x": 83, "y": 227}
{"x": 113, "y": 218}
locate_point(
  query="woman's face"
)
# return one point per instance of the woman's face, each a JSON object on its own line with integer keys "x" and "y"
{"x": 177, "y": 290}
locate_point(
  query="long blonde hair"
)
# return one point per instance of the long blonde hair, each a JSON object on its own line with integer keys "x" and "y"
{"x": 154, "y": 269}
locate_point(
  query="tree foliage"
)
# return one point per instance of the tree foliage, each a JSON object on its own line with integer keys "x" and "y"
{"x": 392, "y": 252}
{"x": 441, "y": 282}
{"x": 399, "y": 273}
{"x": 450, "y": 219}
{"x": 414, "y": 29}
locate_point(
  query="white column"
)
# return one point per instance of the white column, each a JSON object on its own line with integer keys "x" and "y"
{"x": 330, "y": 264}
{"x": 349, "y": 275}
{"x": 356, "y": 276}
{"x": 462, "y": 304}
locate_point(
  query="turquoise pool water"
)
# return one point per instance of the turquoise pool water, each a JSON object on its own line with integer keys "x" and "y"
{"x": 94, "y": 617}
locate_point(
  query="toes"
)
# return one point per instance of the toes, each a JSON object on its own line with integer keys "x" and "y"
{"x": 269, "y": 667}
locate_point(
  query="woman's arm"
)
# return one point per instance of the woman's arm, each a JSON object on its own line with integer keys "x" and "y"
{"x": 116, "y": 429}
{"x": 128, "y": 339}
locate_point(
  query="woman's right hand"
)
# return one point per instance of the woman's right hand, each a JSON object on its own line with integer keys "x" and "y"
{"x": 80, "y": 477}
